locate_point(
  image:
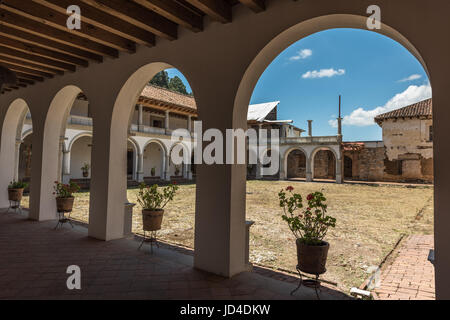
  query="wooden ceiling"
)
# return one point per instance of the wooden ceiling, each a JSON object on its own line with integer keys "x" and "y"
{"x": 36, "y": 44}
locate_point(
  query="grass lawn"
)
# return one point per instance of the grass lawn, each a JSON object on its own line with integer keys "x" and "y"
{"x": 370, "y": 220}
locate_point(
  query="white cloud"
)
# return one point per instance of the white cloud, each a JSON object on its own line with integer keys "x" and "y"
{"x": 322, "y": 73}
{"x": 361, "y": 117}
{"x": 411, "y": 78}
{"x": 302, "y": 54}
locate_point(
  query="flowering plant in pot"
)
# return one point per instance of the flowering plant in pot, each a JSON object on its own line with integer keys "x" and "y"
{"x": 15, "y": 190}
{"x": 64, "y": 195}
{"x": 153, "y": 199}
{"x": 85, "y": 169}
{"x": 309, "y": 227}
{"x": 153, "y": 171}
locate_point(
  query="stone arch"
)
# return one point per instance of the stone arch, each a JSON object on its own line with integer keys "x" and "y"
{"x": 286, "y": 163}
{"x": 9, "y": 145}
{"x": 49, "y": 147}
{"x": 109, "y": 225}
{"x": 27, "y": 133}
{"x": 163, "y": 155}
{"x": 295, "y": 33}
{"x": 78, "y": 136}
{"x": 331, "y": 171}
{"x": 186, "y": 158}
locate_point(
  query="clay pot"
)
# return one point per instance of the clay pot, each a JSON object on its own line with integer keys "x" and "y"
{"x": 64, "y": 204}
{"x": 312, "y": 258}
{"x": 15, "y": 194}
{"x": 85, "y": 174}
{"x": 152, "y": 219}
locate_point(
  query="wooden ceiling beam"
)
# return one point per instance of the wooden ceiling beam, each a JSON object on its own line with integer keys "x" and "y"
{"x": 30, "y": 38}
{"x": 19, "y": 22}
{"x": 47, "y": 16}
{"x": 103, "y": 20}
{"x": 255, "y": 5}
{"x": 174, "y": 12}
{"x": 11, "y": 53}
{"x": 137, "y": 15}
{"x": 217, "y": 9}
{"x": 42, "y": 52}
{"x": 29, "y": 68}
{"x": 25, "y": 80}
{"x": 29, "y": 76}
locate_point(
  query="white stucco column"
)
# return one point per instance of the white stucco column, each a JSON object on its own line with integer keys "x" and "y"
{"x": 66, "y": 167}
{"x": 339, "y": 171}
{"x": 17, "y": 158}
{"x": 189, "y": 124}
{"x": 167, "y": 120}
{"x": 140, "y": 117}
{"x": 309, "y": 175}
{"x": 140, "y": 167}
{"x": 166, "y": 166}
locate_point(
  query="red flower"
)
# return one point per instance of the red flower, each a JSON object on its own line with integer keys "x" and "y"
{"x": 310, "y": 197}
{"x": 290, "y": 188}
{"x": 174, "y": 183}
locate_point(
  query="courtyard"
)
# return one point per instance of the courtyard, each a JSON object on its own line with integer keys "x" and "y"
{"x": 370, "y": 222}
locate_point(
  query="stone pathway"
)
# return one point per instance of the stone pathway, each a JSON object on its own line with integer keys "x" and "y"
{"x": 35, "y": 257}
{"x": 411, "y": 275}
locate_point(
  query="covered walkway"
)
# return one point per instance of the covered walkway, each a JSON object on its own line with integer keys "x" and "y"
{"x": 35, "y": 259}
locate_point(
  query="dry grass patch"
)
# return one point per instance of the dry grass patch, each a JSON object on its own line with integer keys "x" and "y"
{"x": 370, "y": 220}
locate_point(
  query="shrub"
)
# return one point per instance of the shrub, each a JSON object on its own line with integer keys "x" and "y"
{"x": 312, "y": 224}
{"x": 151, "y": 198}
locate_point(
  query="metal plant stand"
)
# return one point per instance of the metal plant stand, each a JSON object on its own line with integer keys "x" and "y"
{"x": 309, "y": 283}
{"x": 62, "y": 219}
{"x": 15, "y": 205}
{"x": 151, "y": 239}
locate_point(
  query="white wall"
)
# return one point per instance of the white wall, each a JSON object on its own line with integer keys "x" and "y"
{"x": 153, "y": 154}
{"x": 80, "y": 153}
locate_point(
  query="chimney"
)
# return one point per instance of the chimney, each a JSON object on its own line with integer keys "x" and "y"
{"x": 310, "y": 128}
{"x": 339, "y": 119}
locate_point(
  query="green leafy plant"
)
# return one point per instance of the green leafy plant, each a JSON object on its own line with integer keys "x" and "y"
{"x": 65, "y": 190}
{"x": 17, "y": 185}
{"x": 153, "y": 171}
{"x": 154, "y": 197}
{"x": 311, "y": 225}
{"x": 85, "y": 167}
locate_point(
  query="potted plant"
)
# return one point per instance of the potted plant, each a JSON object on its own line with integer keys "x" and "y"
{"x": 309, "y": 228}
{"x": 85, "y": 169}
{"x": 177, "y": 170}
{"x": 153, "y": 201}
{"x": 15, "y": 190}
{"x": 153, "y": 171}
{"x": 64, "y": 195}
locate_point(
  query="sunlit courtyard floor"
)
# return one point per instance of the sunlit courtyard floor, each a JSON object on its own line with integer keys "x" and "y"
{"x": 370, "y": 221}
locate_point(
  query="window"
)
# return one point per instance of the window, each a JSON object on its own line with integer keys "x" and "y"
{"x": 157, "y": 124}
{"x": 430, "y": 133}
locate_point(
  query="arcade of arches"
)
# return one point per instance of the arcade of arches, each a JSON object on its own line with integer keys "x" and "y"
{"x": 222, "y": 89}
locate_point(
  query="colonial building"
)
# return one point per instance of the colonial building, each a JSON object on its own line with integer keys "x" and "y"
{"x": 158, "y": 112}
{"x": 404, "y": 155}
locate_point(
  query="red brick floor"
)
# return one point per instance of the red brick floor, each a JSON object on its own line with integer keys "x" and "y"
{"x": 34, "y": 259}
{"x": 411, "y": 275}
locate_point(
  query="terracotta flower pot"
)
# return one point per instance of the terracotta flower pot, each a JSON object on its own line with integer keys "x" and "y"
{"x": 152, "y": 219}
{"x": 15, "y": 194}
{"x": 64, "y": 204}
{"x": 312, "y": 259}
{"x": 85, "y": 174}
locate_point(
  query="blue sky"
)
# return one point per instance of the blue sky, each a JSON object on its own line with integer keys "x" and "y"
{"x": 373, "y": 73}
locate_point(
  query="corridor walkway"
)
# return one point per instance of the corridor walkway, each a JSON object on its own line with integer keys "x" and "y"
{"x": 34, "y": 259}
{"x": 411, "y": 275}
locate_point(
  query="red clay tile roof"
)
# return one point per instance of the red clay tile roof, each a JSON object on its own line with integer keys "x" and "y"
{"x": 420, "y": 109}
{"x": 168, "y": 97}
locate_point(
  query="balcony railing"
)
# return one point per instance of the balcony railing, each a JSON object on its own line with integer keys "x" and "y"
{"x": 80, "y": 120}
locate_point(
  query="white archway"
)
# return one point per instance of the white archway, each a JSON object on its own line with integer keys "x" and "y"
{"x": 151, "y": 158}
{"x": 49, "y": 147}
{"x": 11, "y": 137}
